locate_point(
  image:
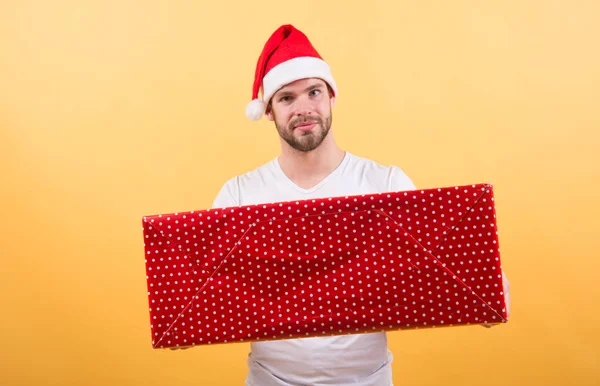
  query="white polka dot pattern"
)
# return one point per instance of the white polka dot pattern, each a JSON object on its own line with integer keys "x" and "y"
{"x": 343, "y": 265}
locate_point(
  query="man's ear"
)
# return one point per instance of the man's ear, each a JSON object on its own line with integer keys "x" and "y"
{"x": 331, "y": 96}
{"x": 269, "y": 112}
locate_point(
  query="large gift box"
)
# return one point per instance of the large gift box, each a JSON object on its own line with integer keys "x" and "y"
{"x": 340, "y": 265}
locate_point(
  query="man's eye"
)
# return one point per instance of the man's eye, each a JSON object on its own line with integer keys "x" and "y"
{"x": 315, "y": 92}
{"x": 285, "y": 99}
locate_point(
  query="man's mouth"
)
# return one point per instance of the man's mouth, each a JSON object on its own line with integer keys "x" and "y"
{"x": 305, "y": 126}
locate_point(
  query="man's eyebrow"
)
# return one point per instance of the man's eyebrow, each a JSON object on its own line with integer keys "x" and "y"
{"x": 313, "y": 87}
{"x": 281, "y": 94}
{"x": 284, "y": 93}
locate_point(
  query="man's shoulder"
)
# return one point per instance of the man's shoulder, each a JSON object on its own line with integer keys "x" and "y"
{"x": 394, "y": 175}
{"x": 363, "y": 161}
{"x": 253, "y": 176}
{"x": 229, "y": 194}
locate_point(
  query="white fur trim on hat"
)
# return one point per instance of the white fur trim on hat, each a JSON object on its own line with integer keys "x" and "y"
{"x": 294, "y": 69}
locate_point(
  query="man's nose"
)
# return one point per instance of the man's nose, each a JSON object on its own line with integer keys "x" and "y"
{"x": 303, "y": 106}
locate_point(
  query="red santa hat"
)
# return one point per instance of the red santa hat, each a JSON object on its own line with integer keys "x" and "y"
{"x": 287, "y": 56}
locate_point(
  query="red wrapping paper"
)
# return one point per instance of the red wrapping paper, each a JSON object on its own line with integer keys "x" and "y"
{"x": 342, "y": 265}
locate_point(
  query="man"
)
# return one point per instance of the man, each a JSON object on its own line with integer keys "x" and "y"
{"x": 298, "y": 95}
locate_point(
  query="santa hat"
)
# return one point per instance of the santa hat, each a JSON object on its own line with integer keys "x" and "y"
{"x": 287, "y": 56}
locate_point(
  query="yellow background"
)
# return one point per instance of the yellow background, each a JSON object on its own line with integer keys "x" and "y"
{"x": 111, "y": 110}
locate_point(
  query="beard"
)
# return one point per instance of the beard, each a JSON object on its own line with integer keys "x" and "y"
{"x": 307, "y": 141}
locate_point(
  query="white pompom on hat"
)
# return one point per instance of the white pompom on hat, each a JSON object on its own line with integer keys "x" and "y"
{"x": 287, "y": 56}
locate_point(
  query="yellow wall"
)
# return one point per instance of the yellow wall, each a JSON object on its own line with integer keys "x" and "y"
{"x": 111, "y": 110}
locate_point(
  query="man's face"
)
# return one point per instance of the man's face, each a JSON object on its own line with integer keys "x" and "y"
{"x": 302, "y": 113}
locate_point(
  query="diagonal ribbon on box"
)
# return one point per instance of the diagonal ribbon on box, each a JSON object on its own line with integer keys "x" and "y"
{"x": 339, "y": 265}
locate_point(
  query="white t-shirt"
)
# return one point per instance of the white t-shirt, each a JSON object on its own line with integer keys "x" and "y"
{"x": 361, "y": 359}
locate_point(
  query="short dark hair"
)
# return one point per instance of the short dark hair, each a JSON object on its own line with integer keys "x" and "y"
{"x": 329, "y": 92}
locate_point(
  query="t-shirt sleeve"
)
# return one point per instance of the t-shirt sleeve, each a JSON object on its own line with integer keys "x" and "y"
{"x": 228, "y": 195}
{"x": 399, "y": 181}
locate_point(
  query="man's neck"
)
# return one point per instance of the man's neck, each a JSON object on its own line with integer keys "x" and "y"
{"x": 308, "y": 169}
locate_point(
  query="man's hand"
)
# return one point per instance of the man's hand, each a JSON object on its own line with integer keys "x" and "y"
{"x": 488, "y": 325}
{"x": 180, "y": 348}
